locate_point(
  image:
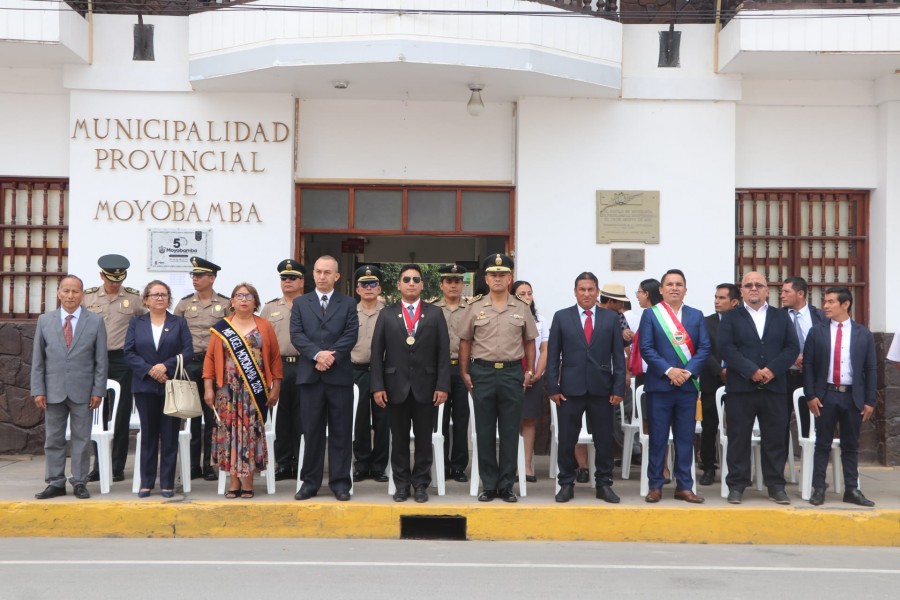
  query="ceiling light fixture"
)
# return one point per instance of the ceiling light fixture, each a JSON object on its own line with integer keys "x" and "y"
{"x": 476, "y": 104}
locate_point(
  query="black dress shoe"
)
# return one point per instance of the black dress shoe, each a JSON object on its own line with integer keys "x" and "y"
{"x": 93, "y": 476}
{"x": 402, "y": 493}
{"x": 779, "y": 496}
{"x": 360, "y": 475}
{"x": 565, "y": 493}
{"x": 487, "y": 495}
{"x": 209, "y": 474}
{"x": 51, "y": 491}
{"x": 457, "y": 475}
{"x": 606, "y": 493}
{"x": 196, "y": 473}
{"x": 854, "y": 496}
{"x": 507, "y": 495}
{"x": 282, "y": 473}
{"x": 81, "y": 492}
{"x": 735, "y": 496}
{"x": 421, "y": 493}
{"x": 305, "y": 494}
{"x": 379, "y": 476}
{"x": 531, "y": 478}
{"x": 582, "y": 476}
{"x": 342, "y": 495}
{"x": 118, "y": 476}
{"x": 708, "y": 477}
{"x": 818, "y": 497}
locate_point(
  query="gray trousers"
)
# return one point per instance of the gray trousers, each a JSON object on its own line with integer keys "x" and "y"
{"x": 55, "y": 419}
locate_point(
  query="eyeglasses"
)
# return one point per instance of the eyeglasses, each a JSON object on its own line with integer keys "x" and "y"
{"x": 289, "y": 278}
{"x": 240, "y": 296}
{"x": 750, "y": 286}
{"x": 453, "y": 279}
{"x": 158, "y": 296}
{"x": 368, "y": 284}
{"x": 414, "y": 279}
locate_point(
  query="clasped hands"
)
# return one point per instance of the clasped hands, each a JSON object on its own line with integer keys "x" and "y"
{"x": 324, "y": 360}
{"x": 763, "y": 376}
{"x": 678, "y": 376}
{"x": 158, "y": 373}
{"x": 381, "y": 398}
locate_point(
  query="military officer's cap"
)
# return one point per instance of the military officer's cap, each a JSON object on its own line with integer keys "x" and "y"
{"x": 497, "y": 263}
{"x": 367, "y": 273}
{"x": 114, "y": 267}
{"x": 291, "y": 267}
{"x": 201, "y": 266}
{"x": 452, "y": 270}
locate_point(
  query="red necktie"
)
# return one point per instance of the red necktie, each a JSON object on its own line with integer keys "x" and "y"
{"x": 588, "y": 327}
{"x": 836, "y": 370}
{"x": 67, "y": 331}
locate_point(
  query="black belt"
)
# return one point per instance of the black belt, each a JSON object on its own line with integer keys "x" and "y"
{"x": 198, "y": 356}
{"x": 361, "y": 366}
{"x": 454, "y": 361}
{"x": 115, "y": 352}
{"x": 498, "y": 365}
{"x": 838, "y": 388}
{"x": 289, "y": 359}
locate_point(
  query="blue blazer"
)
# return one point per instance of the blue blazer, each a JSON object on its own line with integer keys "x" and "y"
{"x": 311, "y": 332}
{"x": 576, "y": 369}
{"x": 817, "y": 363}
{"x": 141, "y": 353}
{"x": 658, "y": 353}
{"x": 744, "y": 352}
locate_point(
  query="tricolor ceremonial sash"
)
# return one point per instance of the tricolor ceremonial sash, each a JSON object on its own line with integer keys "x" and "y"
{"x": 678, "y": 336}
{"x": 243, "y": 358}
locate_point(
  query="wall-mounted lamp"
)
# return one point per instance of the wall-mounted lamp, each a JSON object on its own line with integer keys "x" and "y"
{"x": 476, "y": 104}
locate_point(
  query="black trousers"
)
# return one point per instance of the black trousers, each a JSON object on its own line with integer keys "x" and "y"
{"x": 600, "y": 416}
{"x": 194, "y": 369}
{"x": 421, "y": 416}
{"x": 322, "y": 404}
{"x": 371, "y": 455}
{"x": 497, "y": 397}
{"x": 456, "y": 447}
{"x": 159, "y": 441}
{"x": 709, "y": 433}
{"x": 741, "y": 409}
{"x": 837, "y": 409}
{"x": 289, "y": 425}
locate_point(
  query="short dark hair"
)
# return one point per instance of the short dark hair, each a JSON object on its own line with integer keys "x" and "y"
{"x": 733, "y": 292}
{"x": 798, "y": 284}
{"x": 409, "y": 267}
{"x": 651, "y": 286}
{"x": 843, "y": 294}
{"x": 673, "y": 272}
{"x": 589, "y": 276}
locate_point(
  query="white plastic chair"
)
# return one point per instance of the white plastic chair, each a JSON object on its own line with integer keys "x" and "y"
{"x": 583, "y": 438}
{"x": 183, "y": 462}
{"x": 473, "y": 436}
{"x": 629, "y": 428}
{"x": 644, "y": 439}
{"x": 755, "y": 447}
{"x": 808, "y": 450}
{"x": 270, "y": 452}
{"x": 437, "y": 449}
{"x": 352, "y": 439}
{"x": 102, "y": 438}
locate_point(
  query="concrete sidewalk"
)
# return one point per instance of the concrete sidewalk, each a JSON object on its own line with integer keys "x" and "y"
{"x": 373, "y": 514}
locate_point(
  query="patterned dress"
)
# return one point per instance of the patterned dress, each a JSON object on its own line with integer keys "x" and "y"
{"x": 239, "y": 441}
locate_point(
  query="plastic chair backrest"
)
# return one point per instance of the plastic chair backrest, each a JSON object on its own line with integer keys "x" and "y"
{"x": 798, "y": 393}
{"x": 720, "y": 408}
{"x": 638, "y": 394}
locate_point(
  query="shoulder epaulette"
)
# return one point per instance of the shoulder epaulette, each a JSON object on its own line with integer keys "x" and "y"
{"x": 474, "y": 299}
{"x": 274, "y": 300}
{"x": 222, "y": 296}
{"x": 523, "y": 301}
{"x": 188, "y": 296}
{"x": 133, "y": 291}
{"x": 91, "y": 290}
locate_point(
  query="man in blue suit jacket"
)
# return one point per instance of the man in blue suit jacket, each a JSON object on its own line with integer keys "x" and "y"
{"x": 839, "y": 378}
{"x": 758, "y": 344}
{"x": 675, "y": 344}
{"x": 324, "y": 328}
{"x": 587, "y": 376}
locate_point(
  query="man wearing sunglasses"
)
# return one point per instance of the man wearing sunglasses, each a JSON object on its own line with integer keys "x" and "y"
{"x": 758, "y": 344}
{"x": 288, "y": 426}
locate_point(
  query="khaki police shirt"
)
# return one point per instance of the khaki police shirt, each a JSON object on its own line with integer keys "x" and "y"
{"x": 278, "y": 313}
{"x": 200, "y": 317}
{"x": 497, "y": 335}
{"x": 116, "y": 311}
{"x": 362, "y": 351}
{"x": 454, "y": 318}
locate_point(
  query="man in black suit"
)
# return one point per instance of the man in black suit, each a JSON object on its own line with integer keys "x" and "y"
{"x": 758, "y": 344}
{"x": 586, "y": 372}
{"x": 839, "y": 379}
{"x": 411, "y": 375}
{"x": 324, "y": 328}
{"x": 794, "y": 299}
{"x": 712, "y": 377}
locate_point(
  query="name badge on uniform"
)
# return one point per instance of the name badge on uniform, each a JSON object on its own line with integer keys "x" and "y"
{"x": 275, "y": 314}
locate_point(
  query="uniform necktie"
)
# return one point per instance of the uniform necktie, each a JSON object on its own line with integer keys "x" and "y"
{"x": 324, "y": 303}
{"x": 800, "y": 335}
{"x": 588, "y": 326}
{"x": 836, "y": 370}
{"x": 412, "y": 318}
{"x": 67, "y": 330}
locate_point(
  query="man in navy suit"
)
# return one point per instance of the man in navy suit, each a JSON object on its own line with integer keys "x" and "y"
{"x": 674, "y": 343}
{"x": 758, "y": 344}
{"x": 586, "y": 372}
{"x": 839, "y": 379}
{"x": 324, "y": 328}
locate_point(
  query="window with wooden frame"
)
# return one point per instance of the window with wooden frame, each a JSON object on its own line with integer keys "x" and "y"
{"x": 820, "y": 235}
{"x": 35, "y": 232}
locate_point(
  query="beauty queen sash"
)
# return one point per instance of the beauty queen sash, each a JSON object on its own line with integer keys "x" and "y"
{"x": 251, "y": 374}
{"x": 681, "y": 342}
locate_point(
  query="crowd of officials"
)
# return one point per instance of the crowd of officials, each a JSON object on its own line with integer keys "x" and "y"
{"x": 305, "y": 352}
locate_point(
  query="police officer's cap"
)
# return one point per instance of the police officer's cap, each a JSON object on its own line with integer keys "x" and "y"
{"x": 367, "y": 273}
{"x": 201, "y": 266}
{"x": 497, "y": 263}
{"x": 452, "y": 270}
{"x": 114, "y": 266}
{"x": 291, "y": 267}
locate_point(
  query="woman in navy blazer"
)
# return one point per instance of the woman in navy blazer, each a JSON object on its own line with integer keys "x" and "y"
{"x": 152, "y": 343}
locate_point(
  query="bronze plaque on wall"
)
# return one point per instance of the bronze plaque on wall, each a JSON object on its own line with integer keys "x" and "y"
{"x": 627, "y": 260}
{"x": 627, "y": 216}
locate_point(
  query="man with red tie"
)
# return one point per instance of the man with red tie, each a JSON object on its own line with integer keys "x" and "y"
{"x": 839, "y": 375}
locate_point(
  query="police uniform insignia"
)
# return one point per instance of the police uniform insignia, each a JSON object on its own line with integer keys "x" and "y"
{"x": 194, "y": 308}
{"x": 223, "y": 296}
{"x": 91, "y": 290}
{"x": 275, "y": 314}
{"x": 218, "y": 307}
{"x": 481, "y": 315}
{"x": 368, "y": 271}
{"x": 133, "y": 291}
{"x": 474, "y": 299}
{"x": 125, "y": 303}
{"x": 194, "y": 261}
{"x": 517, "y": 316}
{"x": 188, "y": 296}
{"x": 273, "y": 300}
{"x": 454, "y": 269}
{"x": 498, "y": 261}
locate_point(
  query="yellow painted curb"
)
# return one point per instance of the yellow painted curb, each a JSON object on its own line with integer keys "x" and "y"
{"x": 695, "y": 525}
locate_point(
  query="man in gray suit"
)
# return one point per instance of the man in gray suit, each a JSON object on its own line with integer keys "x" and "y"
{"x": 68, "y": 381}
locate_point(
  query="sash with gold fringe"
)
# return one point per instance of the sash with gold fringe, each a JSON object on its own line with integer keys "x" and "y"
{"x": 681, "y": 342}
{"x": 252, "y": 376}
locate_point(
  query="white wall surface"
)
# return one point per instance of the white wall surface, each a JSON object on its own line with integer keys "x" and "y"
{"x": 885, "y": 223}
{"x": 569, "y": 149}
{"x": 34, "y": 111}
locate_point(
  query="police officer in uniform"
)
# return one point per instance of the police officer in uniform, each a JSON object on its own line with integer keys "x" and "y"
{"x": 493, "y": 339}
{"x": 288, "y": 425}
{"x": 456, "y": 450}
{"x": 116, "y": 304}
{"x": 202, "y": 310}
{"x": 371, "y": 458}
